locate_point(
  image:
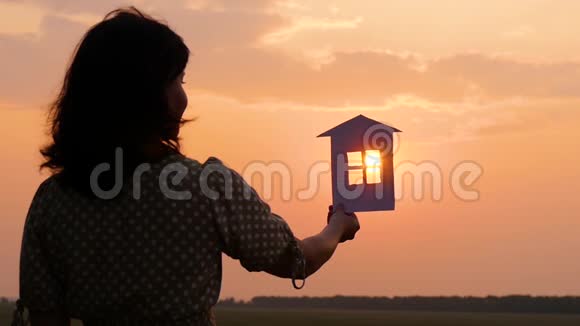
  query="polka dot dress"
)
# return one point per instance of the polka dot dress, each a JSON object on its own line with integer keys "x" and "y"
{"x": 152, "y": 254}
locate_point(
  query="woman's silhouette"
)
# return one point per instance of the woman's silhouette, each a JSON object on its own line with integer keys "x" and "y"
{"x": 127, "y": 230}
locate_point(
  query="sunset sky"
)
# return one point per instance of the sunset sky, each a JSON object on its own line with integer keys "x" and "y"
{"x": 492, "y": 82}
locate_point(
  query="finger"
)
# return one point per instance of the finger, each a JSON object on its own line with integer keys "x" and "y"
{"x": 347, "y": 213}
{"x": 340, "y": 208}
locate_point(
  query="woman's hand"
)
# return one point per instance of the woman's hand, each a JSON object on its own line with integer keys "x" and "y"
{"x": 348, "y": 222}
{"x": 318, "y": 249}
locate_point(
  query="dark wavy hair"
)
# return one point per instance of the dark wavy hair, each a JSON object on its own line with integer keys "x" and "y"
{"x": 113, "y": 95}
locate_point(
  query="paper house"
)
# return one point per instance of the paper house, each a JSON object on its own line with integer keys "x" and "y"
{"x": 362, "y": 165}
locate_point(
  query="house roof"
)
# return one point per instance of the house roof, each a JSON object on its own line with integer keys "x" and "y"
{"x": 360, "y": 122}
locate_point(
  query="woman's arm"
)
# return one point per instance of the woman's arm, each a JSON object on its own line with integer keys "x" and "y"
{"x": 318, "y": 248}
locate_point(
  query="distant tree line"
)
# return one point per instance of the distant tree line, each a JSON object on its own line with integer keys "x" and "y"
{"x": 507, "y": 304}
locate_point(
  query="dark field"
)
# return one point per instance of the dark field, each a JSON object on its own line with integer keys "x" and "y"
{"x": 251, "y": 316}
{"x": 363, "y": 318}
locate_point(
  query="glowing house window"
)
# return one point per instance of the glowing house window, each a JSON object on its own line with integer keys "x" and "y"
{"x": 355, "y": 168}
{"x": 371, "y": 167}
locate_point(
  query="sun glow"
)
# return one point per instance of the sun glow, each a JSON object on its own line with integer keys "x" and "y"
{"x": 373, "y": 166}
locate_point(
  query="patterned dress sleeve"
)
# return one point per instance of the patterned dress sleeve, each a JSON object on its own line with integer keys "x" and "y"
{"x": 40, "y": 289}
{"x": 249, "y": 231}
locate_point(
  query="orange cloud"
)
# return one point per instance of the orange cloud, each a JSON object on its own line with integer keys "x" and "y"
{"x": 230, "y": 60}
{"x": 368, "y": 78}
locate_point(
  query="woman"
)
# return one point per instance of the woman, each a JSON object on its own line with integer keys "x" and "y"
{"x": 127, "y": 230}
